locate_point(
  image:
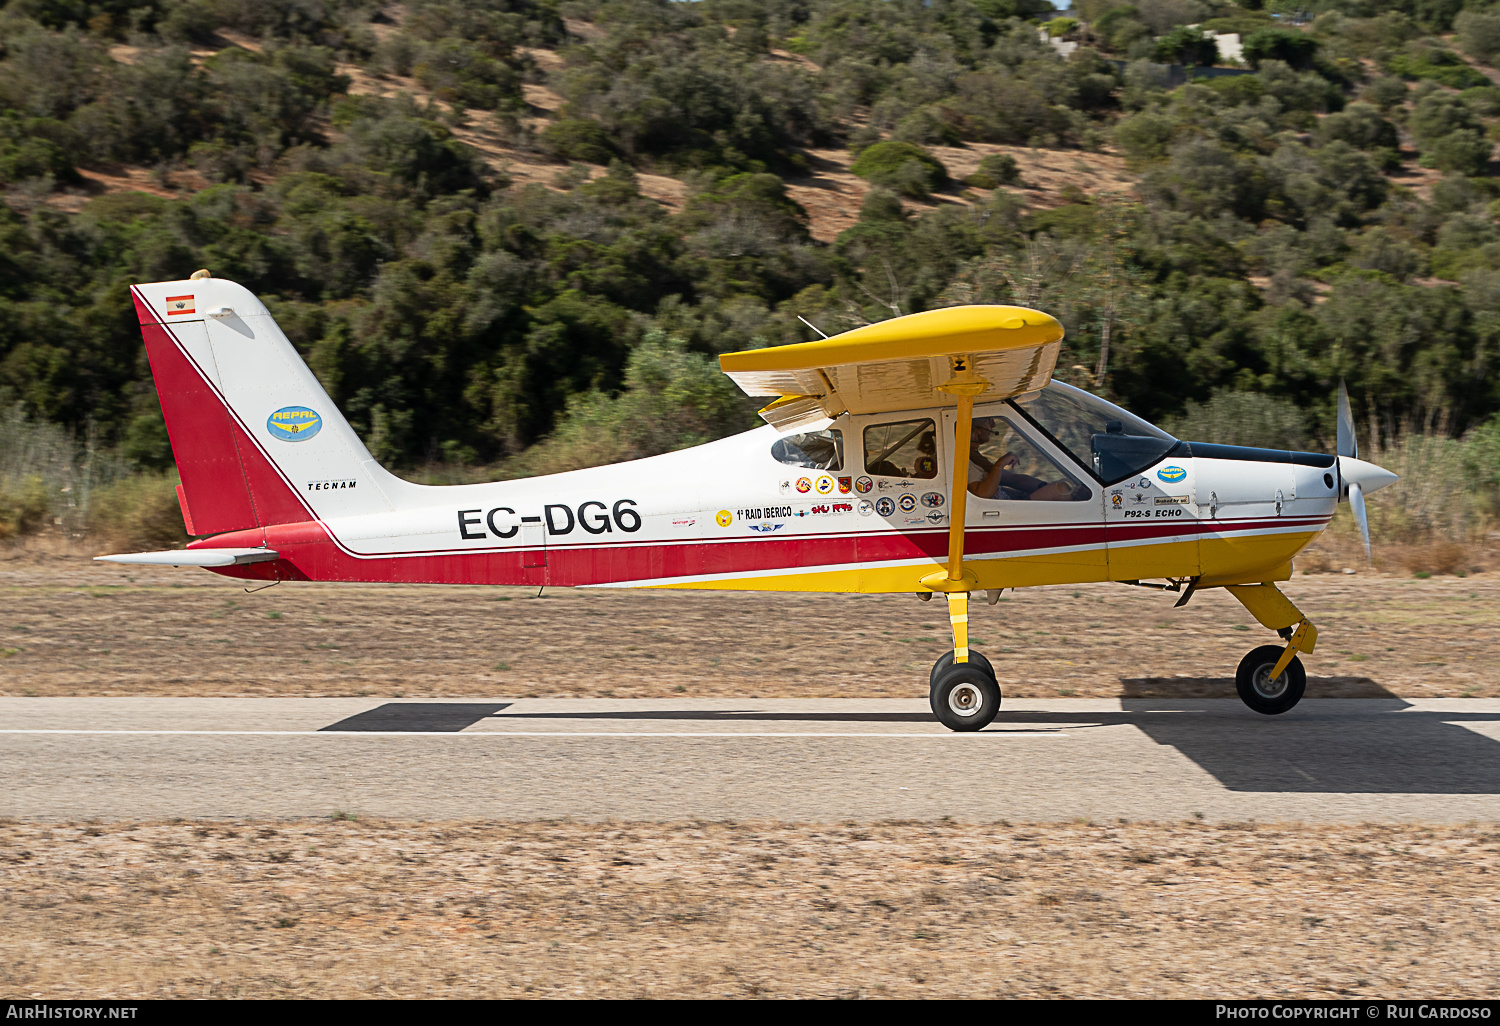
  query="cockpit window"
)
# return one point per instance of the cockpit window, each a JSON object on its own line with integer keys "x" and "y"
{"x": 815, "y": 450}
{"x": 1113, "y": 443}
{"x": 907, "y": 448}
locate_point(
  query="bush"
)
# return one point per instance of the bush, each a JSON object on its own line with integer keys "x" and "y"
{"x": 1436, "y": 64}
{"x": 1242, "y": 418}
{"x": 24, "y": 505}
{"x": 137, "y": 512}
{"x": 1278, "y": 44}
{"x": 1464, "y": 152}
{"x": 901, "y": 167}
{"x": 577, "y": 139}
{"x": 1186, "y": 45}
{"x": 1479, "y": 34}
{"x": 1001, "y": 167}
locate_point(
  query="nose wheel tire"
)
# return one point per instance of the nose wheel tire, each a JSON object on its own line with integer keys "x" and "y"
{"x": 1260, "y": 691}
{"x": 965, "y": 698}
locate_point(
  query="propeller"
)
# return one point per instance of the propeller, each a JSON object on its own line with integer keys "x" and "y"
{"x": 1357, "y": 475}
{"x": 1348, "y": 444}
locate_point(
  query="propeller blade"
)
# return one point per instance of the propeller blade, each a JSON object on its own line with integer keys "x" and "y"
{"x": 1357, "y": 504}
{"x": 1348, "y": 444}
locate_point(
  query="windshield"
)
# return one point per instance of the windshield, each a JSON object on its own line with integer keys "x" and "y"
{"x": 1100, "y": 435}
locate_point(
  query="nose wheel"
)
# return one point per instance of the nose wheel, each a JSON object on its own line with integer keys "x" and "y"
{"x": 1262, "y": 689}
{"x": 964, "y": 696}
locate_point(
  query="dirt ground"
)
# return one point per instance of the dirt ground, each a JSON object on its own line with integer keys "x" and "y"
{"x": 73, "y": 627}
{"x": 383, "y": 909}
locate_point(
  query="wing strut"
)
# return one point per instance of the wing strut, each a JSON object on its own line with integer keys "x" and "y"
{"x": 956, "y": 581}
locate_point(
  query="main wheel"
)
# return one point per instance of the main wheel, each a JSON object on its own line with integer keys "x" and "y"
{"x": 1262, "y": 693}
{"x": 945, "y": 661}
{"x": 965, "y": 698}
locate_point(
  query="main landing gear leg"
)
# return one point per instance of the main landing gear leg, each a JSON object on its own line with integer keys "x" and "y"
{"x": 965, "y": 695}
{"x": 1271, "y": 679}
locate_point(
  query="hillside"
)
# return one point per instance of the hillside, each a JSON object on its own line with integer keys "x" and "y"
{"x": 510, "y": 231}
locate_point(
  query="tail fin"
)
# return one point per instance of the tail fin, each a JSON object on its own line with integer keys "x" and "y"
{"x": 256, "y": 438}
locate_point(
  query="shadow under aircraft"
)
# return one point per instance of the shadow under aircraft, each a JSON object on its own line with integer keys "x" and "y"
{"x": 1344, "y": 746}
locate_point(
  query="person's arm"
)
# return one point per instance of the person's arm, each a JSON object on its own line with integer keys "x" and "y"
{"x": 986, "y": 486}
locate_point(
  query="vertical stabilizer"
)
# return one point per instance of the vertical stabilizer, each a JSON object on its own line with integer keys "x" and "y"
{"x": 256, "y": 438}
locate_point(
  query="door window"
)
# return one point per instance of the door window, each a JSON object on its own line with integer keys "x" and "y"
{"x": 906, "y": 448}
{"x": 1024, "y": 471}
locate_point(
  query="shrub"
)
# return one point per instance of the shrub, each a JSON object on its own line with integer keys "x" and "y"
{"x": 1278, "y": 44}
{"x": 901, "y": 167}
{"x": 1001, "y": 167}
{"x": 577, "y": 139}
{"x": 1242, "y": 418}
{"x": 1479, "y": 34}
{"x": 1436, "y": 64}
{"x": 1464, "y": 152}
{"x": 137, "y": 512}
{"x": 1186, "y": 45}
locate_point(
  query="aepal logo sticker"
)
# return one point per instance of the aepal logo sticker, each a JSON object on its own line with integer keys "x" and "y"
{"x": 294, "y": 423}
{"x": 1171, "y": 473}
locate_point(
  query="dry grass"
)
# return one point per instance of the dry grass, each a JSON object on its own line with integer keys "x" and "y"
{"x": 904, "y": 909}
{"x": 73, "y": 627}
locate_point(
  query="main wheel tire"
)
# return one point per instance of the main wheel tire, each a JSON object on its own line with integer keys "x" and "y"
{"x": 965, "y": 698}
{"x": 946, "y": 660}
{"x": 1259, "y": 691}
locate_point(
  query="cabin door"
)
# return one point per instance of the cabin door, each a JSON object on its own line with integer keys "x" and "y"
{"x": 1041, "y": 513}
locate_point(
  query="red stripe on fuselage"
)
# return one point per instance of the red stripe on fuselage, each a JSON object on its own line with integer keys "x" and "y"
{"x": 310, "y": 553}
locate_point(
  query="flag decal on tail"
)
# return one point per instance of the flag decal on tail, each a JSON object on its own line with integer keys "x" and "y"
{"x": 180, "y": 305}
{"x": 294, "y": 423}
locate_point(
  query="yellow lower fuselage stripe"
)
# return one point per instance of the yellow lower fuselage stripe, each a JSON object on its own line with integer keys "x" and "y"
{"x": 1240, "y": 559}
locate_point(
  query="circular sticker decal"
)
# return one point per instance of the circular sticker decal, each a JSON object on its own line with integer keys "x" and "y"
{"x": 926, "y": 467}
{"x": 825, "y": 485}
{"x": 863, "y": 485}
{"x": 907, "y": 502}
{"x": 724, "y": 518}
{"x": 884, "y": 506}
{"x": 932, "y": 500}
{"x": 294, "y": 423}
{"x": 804, "y": 485}
{"x": 866, "y": 507}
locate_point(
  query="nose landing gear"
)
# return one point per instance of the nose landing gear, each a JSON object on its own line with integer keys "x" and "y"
{"x": 1270, "y": 679}
{"x": 1262, "y": 689}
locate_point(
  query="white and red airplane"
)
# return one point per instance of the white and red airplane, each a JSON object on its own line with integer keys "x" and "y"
{"x": 926, "y": 454}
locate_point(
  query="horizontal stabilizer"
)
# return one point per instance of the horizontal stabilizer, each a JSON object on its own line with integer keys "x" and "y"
{"x": 193, "y": 557}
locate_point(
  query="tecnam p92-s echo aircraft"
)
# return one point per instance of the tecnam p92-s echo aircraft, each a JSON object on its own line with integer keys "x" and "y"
{"x": 927, "y": 454}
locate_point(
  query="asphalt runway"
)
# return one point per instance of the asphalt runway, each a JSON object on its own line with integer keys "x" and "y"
{"x": 820, "y": 760}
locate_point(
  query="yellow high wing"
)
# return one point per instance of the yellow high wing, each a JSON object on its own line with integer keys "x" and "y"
{"x": 937, "y": 358}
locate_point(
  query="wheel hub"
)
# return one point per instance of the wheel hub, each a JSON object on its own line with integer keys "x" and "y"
{"x": 965, "y": 700}
{"x": 1267, "y": 687}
